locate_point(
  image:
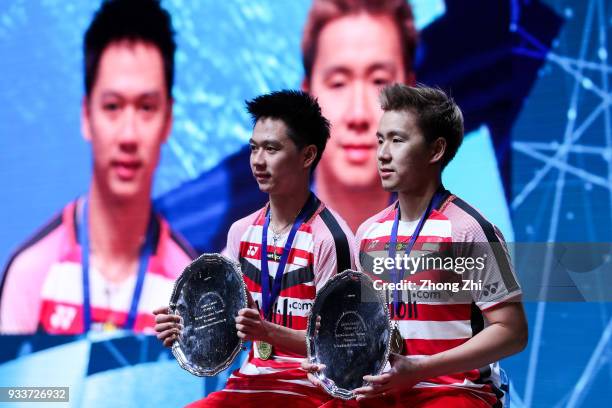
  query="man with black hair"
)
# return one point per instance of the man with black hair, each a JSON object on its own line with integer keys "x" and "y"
{"x": 106, "y": 260}
{"x": 448, "y": 340}
{"x": 287, "y": 250}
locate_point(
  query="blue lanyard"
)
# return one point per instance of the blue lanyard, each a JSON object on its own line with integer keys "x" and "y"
{"x": 145, "y": 253}
{"x": 435, "y": 202}
{"x": 268, "y": 298}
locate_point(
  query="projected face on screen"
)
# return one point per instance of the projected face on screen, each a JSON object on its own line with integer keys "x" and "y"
{"x": 356, "y": 56}
{"x": 127, "y": 118}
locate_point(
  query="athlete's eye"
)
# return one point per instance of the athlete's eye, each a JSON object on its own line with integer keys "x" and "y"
{"x": 336, "y": 81}
{"x": 110, "y": 106}
{"x": 380, "y": 81}
{"x": 148, "y": 107}
{"x": 336, "y": 84}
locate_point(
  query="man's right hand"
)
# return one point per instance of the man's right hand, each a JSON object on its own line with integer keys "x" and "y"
{"x": 167, "y": 326}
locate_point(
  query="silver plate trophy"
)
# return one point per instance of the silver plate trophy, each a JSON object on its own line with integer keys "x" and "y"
{"x": 208, "y": 295}
{"x": 354, "y": 335}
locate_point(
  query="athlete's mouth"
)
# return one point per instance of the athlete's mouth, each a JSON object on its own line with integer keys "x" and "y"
{"x": 126, "y": 169}
{"x": 261, "y": 176}
{"x": 385, "y": 172}
{"x": 357, "y": 153}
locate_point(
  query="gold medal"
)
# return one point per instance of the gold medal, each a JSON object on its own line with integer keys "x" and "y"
{"x": 397, "y": 342}
{"x": 109, "y": 326}
{"x": 264, "y": 349}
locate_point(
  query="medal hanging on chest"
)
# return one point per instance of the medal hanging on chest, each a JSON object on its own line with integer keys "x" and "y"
{"x": 397, "y": 342}
{"x": 264, "y": 350}
{"x": 269, "y": 295}
{"x": 109, "y": 326}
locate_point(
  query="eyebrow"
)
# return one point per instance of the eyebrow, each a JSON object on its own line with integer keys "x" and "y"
{"x": 343, "y": 69}
{"x": 266, "y": 142}
{"x": 147, "y": 94}
{"x": 392, "y": 133}
{"x": 388, "y": 66}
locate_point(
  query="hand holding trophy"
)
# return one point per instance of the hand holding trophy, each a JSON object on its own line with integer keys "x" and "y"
{"x": 207, "y": 298}
{"x": 348, "y": 335}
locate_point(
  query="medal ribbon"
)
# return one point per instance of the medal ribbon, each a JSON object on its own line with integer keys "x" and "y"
{"x": 143, "y": 261}
{"x": 268, "y": 298}
{"x": 435, "y": 202}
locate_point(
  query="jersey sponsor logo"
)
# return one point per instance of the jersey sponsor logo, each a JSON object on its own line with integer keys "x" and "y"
{"x": 252, "y": 251}
{"x": 273, "y": 256}
{"x": 372, "y": 244}
{"x": 62, "y": 317}
{"x": 490, "y": 289}
{"x": 284, "y": 316}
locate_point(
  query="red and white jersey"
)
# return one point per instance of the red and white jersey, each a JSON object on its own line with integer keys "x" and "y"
{"x": 42, "y": 285}
{"x": 432, "y": 317}
{"x": 322, "y": 247}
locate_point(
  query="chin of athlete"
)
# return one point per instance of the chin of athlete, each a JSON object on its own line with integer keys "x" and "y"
{"x": 264, "y": 180}
{"x": 389, "y": 180}
{"x": 126, "y": 187}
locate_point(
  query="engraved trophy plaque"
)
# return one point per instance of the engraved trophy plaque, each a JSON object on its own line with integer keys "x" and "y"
{"x": 208, "y": 295}
{"x": 353, "y": 335}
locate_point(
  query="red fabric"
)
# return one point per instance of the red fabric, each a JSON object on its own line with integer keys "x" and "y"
{"x": 419, "y": 398}
{"x": 224, "y": 399}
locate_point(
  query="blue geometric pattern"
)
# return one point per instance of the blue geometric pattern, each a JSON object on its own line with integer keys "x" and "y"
{"x": 562, "y": 182}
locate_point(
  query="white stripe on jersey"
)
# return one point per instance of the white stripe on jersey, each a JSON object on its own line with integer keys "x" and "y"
{"x": 464, "y": 384}
{"x": 298, "y": 260}
{"x": 156, "y": 290}
{"x": 437, "y": 228}
{"x": 305, "y": 383}
{"x": 64, "y": 283}
{"x": 432, "y": 330}
{"x": 251, "y": 369}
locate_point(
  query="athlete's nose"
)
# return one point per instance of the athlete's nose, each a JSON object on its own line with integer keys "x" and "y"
{"x": 128, "y": 135}
{"x": 358, "y": 115}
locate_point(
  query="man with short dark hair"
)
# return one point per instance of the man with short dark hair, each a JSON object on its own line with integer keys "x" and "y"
{"x": 107, "y": 260}
{"x": 287, "y": 251}
{"x": 448, "y": 354}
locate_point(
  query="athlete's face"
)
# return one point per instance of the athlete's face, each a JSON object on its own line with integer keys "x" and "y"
{"x": 405, "y": 160}
{"x": 127, "y": 117}
{"x": 278, "y": 165}
{"x": 356, "y": 56}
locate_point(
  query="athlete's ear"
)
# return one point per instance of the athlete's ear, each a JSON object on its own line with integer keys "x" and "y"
{"x": 438, "y": 148}
{"x": 85, "y": 124}
{"x": 310, "y": 154}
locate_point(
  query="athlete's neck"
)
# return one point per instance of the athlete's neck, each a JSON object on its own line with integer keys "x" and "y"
{"x": 354, "y": 205}
{"x": 414, "y": 202}
{"x": 117, "y": 231}
{"x": 284, "y": 208}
